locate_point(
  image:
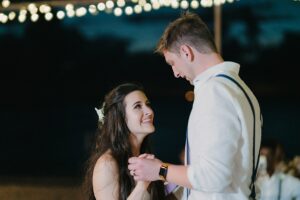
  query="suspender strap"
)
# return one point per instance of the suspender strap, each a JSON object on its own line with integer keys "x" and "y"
{"x": 279, "y": 188}
{"x": 255, "y": 166}
{"x": 187, "y": 155}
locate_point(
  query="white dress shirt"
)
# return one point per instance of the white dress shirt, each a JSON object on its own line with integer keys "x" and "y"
{"x": 279, "y": 187}
{"x": 220, "y": 136}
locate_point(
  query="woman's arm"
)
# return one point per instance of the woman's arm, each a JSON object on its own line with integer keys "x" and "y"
{"x": 105, "y": 179}
{"x": 106, "y": 185}
{"x": 140, "y": 192}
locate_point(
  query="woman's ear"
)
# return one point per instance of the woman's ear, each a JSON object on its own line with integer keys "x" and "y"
{"x": 187, "y": 52}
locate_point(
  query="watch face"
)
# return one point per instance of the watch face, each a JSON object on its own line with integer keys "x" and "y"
{"x": 163, "y": 172}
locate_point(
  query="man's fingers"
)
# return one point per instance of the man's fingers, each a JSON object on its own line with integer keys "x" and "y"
{"x": 144, "y": 155}
{"x": 133, "y": 163}
{"x": 132, "y": 160}
{"x": 151, "y": 156}
{"x": 132, "y": 172}
{"x": 147, "y": 155}
{"x": 131, "y": 167}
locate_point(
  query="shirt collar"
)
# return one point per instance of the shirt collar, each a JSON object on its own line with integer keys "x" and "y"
{"x": 224, "y": 67}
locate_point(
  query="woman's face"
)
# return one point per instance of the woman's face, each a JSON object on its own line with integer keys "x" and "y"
{"x": 139, "y": 115}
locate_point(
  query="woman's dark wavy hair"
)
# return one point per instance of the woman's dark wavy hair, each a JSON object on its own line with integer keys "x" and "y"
{"x": 113, "y": 135}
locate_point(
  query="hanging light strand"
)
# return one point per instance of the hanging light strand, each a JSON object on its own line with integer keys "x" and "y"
{"x": 33, "y": 11}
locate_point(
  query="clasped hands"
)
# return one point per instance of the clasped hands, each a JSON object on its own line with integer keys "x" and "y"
{"x": 145, "y": 167}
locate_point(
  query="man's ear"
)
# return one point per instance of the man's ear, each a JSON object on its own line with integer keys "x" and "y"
{"x": 187, "y": 52}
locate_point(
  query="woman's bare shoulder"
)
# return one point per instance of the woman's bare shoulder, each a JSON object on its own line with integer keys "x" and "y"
{"x": 106, "y": 163}
{"x": 105, "y": 171}
{"x": 105, "y": 177}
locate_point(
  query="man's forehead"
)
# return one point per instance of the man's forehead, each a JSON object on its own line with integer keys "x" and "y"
{"x": 168, "y": 60}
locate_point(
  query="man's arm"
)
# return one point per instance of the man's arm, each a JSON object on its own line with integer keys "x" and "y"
{"x": 178, "y": 174}
{"x": 148, "y": 170}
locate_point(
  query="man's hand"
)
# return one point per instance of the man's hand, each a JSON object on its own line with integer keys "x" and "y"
{"x": 145, "y": 167}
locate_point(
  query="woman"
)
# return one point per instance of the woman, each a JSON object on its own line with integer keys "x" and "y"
{"x": 125, "y": 122}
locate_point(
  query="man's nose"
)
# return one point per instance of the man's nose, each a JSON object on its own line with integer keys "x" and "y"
{"x": 176, "y": 74}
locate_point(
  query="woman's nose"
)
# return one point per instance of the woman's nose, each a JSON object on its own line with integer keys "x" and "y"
{"x": 148, "y": 111}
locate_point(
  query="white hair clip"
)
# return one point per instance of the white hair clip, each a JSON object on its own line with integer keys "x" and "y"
{"x": 100, "y": 113}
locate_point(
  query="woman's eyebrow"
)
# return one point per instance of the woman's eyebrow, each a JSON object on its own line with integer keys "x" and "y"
{"x": 138, "y": 102}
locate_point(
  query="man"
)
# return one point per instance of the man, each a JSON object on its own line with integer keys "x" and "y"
{"x": 273, "y": 182}
{"x": 221, "y": 153}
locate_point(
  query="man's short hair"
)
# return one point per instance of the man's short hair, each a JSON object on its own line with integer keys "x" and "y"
{"x": 190, "y": 30}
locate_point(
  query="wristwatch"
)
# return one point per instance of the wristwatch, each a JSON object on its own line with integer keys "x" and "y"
{"x": 163, "y": 171}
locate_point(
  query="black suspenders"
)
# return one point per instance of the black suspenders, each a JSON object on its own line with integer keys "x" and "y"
{"x": 255, "y": 166}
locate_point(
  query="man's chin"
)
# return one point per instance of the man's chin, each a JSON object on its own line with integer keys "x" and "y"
{"x": 190, "y": 81}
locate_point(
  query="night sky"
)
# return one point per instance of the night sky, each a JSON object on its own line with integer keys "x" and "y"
{"x": 54, "y": 73}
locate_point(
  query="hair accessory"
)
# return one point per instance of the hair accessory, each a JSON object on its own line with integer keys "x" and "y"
{"x": 100, "y": 113}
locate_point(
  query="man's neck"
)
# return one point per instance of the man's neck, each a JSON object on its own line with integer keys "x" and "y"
{"x": 204, "y": 62}
{"x": 209, "y": 60}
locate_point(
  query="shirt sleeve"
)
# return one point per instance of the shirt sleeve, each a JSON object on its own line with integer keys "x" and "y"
{"x": 295, "y": 185}
{"x": 215, "y": 131}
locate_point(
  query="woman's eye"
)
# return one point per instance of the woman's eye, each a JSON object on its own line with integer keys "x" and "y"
{"x": 148, "y": 104}
{"x": 137, "y": 106}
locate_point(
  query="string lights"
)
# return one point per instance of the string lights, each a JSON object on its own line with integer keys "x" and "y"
{"x": 60, "y": 9}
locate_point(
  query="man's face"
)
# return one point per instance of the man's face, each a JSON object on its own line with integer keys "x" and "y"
{"x": 178, "y": 64}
